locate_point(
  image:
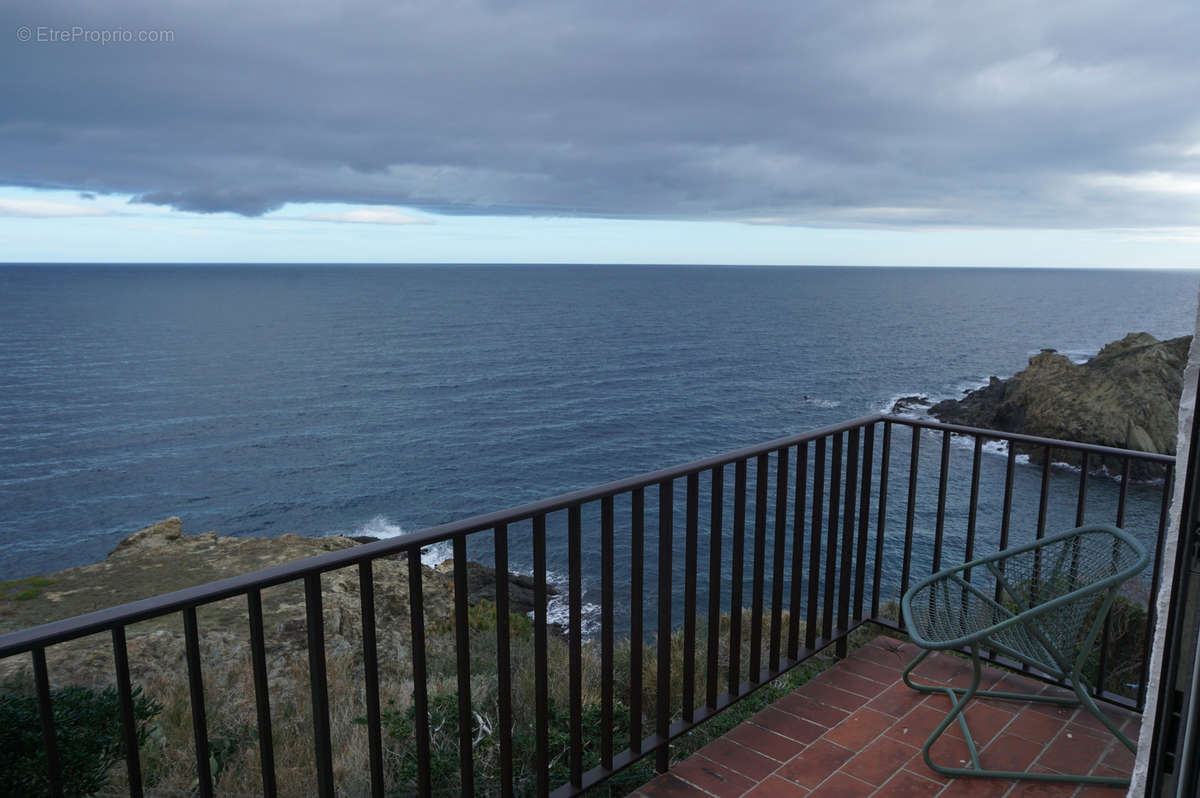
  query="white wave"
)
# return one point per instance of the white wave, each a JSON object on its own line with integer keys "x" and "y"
{"x": 967, "y": 386}
{"x": 887, "y": 406}
{"x": 380, "y": 527}
{"x": 558, "y": 607}
{"x": 995, "y": 447}
{"x": 383, "y": 528}
{"x": 817, "y": 402}
{"x": 437, "y": 554}
{"x": 932, "y": 397}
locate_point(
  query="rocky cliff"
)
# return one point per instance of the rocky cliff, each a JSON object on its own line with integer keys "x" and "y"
{"x": 161, "y": 558}
{"x": 1127, "y": 396}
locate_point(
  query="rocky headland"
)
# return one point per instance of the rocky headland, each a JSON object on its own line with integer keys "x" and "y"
{"x": 1127, "y": 397}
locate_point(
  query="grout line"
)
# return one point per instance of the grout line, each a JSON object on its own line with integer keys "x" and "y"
{"x": 688, "y": 783}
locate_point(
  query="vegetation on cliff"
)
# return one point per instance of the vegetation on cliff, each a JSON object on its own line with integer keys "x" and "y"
{"x": 161, "y": 558}
{"x": 1127, "y": 397}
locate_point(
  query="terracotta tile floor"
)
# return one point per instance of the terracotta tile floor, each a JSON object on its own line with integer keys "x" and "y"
{"x": 857, "y": 730}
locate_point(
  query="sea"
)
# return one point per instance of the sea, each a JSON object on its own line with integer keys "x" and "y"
{"x": 257, "y": 400}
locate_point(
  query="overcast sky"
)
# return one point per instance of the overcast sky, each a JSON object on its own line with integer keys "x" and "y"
{"x": 978, "y": 133}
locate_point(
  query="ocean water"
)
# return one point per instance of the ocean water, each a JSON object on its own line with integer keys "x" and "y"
{"x": 259, "y": 400}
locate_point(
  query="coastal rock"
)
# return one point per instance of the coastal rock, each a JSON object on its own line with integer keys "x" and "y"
{"x": 481, "y": 586}
{"x": 906, "y": 405}
{"x": 161, "y": 558}
{"x": 1127, "y": 396}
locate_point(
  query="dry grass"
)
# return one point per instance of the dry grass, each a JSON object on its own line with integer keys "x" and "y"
{"x": 168, "y": 759}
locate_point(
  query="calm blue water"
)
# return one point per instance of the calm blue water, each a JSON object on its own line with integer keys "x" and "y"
{"x": 318, "y": 400}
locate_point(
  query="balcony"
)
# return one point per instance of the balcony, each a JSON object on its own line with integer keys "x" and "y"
{"x": 729, "y": 574}
{"x": 857, "y": 730}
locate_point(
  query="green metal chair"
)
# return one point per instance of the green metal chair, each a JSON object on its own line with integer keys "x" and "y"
{"x": 1043, "y": 604}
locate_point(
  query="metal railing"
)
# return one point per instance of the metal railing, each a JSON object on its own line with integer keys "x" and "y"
{"x": 837, "y": 501}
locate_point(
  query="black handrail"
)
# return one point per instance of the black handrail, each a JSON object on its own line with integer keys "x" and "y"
{"x": 831, "y": 497}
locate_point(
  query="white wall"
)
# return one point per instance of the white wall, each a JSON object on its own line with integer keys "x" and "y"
{"x": 1187, "y": 407}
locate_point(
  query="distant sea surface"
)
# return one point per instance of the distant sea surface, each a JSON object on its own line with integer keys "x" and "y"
{"x": 259, "y": 400}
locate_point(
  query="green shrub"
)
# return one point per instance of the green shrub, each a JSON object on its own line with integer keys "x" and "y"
{"x": 87, "y": 724}
{"x": 400, "y": 727}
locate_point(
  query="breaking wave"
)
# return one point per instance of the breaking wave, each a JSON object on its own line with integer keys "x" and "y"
{"x": 384, "y": 528}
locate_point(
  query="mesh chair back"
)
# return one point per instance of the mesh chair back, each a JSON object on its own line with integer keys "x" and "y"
{"x": 1041, "y": 602}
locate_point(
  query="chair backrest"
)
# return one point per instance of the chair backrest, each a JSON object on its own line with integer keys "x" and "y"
{"x": 1083, "y": 560}
{"x": 1068, "y": 579}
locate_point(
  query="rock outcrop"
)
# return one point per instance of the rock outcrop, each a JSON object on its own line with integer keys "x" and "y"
{"x": 1127, "y": 396}
{"x": 161, "y": 558}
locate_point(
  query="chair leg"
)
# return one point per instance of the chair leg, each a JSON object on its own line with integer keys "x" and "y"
{"x": 1068, "y": 700}
{"x": 1087, "y": 703}
{"x": 958, "y": 701}
{"x": 959, "y": 697}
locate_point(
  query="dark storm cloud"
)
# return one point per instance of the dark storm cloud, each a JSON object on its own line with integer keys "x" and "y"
{"x": 894, "y": 113}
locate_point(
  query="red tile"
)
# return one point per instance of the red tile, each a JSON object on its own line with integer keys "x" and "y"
{"x": 1015, "y": 683}
{"x": 868, "y": 669}
{"x": 814, "y": 764}
{"x": 853, "y": 683}
{"x": 976, "y": 788}
{"x": 788, "y": 725}
{"x": 879, "y": 761}
{"x": 739, "y": 759}
{"x": 840, "y": 785}
{"x": 1104, "y": 790}
{"x": 915, "y": 727}
{"x": 667, "y": 786}
{"x": 1112, "y": 773}
{"x": 810, "y": 709}
{"x": 709, "y": 775}
{"x": 896, "y": 700}
{"x": 1118, "y": 757}
{"x": 1090, "y": 723}
{"x": 908, "y": 785}
{"x": 988, "y": 677}
{"x": 1043, "y": 789}
{"x": 1063, "y": 715}
{"x": 859, "y": 729}
{"x": 889, "y": 649}
{"x": 825, "y": 691}
{"x": 1132, "y": 726}
{"x": 776, "y": 787}
{"x": 1009, "y": 752}
{"x": 940, "y": 668}
{"x": 765, "y": 742}
{"x": 985, "y": 720}
{"x": 1073, "y": 752}
{"x": 1101, "y": 791}
{"x": 947, "y": 752}
{"x": 1035, "y": 726}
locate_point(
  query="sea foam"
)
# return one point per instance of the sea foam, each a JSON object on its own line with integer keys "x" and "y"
{"x": 383, "y": 528}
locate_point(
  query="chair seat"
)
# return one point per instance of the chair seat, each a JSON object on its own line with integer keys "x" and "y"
{"x": 947, "y": 613}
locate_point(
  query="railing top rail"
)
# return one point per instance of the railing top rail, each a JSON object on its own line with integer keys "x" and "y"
{"x": 144, "y": 609}
{"x": 1033, "y": 440}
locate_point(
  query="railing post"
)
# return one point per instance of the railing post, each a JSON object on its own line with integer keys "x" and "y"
{"x": 662, "y": 756}
{"x": 735, "y": 590}
{"x": 46, "y": 713}
{"x": 541, "y": 686}
{"x": 831, "y": 543}
{"x": 761, "y": 478}
{"x": 575, "y": 642}
{"x": 717, "y": 499}
{"x": 416, "y": 605}
{"x": 322, "y": 740}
